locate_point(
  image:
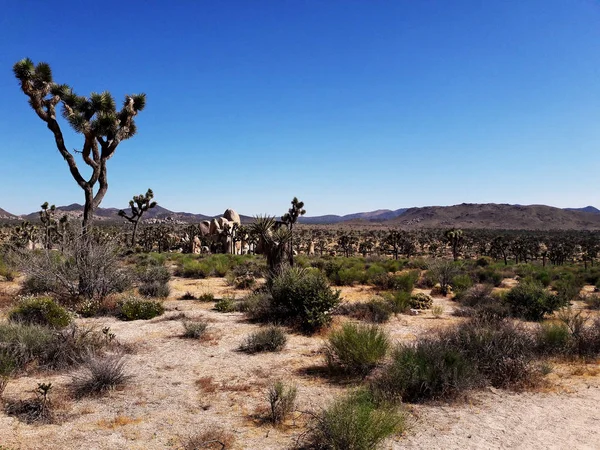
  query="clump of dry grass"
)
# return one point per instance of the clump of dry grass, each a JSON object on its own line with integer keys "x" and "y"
{"x": 213, "y": 438}
{"x": 100, "y": 374}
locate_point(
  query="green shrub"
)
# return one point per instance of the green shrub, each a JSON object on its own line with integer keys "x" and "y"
{"x": 356, "y": 349}
{"x": 420, "y": 301}
{"x": 355, "y": 422}
{"x": 282, "y": 401}
{"x": 461, "y": 283}
{"x": 572, "y": 335}
{"x": 530, "y": 301}
{"x": 303, "y": 295}
{"x": 40, "y": 311}
{"x": 553, "y": 338}
{"x": 489, "y": 275}
{"x": 257, "y": 306}
{"x": 390, "y": 282}
{"x": 22, "y": 344}
{"x": 399, "y": 301}
{"x": 133, "y": 308}
{"x": 592, "y": 301}
{"x": 568, "y": 288}
{"x": 226, "y": 305}
{"x": 429, "y": 369}
{"x": 194, "y": 329}
{"x": 475, "y": 295}
{"x": 270, "y": 339}
{"x": 206, "y": 297}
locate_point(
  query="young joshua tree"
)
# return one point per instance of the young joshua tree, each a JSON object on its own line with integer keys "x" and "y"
{"x": 290, "y": 218}
{"x": 139, "y": 205}
{"x": 95, "y": 117}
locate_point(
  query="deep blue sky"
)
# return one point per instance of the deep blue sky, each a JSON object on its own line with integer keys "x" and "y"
{"x": 349, "y": 105}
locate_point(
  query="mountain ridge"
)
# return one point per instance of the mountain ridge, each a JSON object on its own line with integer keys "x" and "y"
{"x": 465, "y": 215}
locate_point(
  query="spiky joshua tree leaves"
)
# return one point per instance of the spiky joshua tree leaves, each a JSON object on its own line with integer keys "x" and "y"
{"x": 95, "y": 117}
{"x": 139, "y": 205}
{"x": 290, "y": 218}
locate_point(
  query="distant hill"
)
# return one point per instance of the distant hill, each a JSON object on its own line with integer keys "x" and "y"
{"x": 372, "y": 216}
{"x": 5, "y": 215}
{"x": 589, "y": 209}
{"x": 466, "y": 215}
{"x": 498, "y": 216}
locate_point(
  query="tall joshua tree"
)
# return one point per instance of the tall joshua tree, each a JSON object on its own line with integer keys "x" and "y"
{"x": 454, "y": 238}
{"x": 95, "y": 117}
{"x": 290, "y": 218}
{"x": 139, "y": 205}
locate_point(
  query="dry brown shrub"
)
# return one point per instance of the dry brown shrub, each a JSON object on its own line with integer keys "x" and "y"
{"x": 213, "y": 438}
{"x": 206, "y": 384}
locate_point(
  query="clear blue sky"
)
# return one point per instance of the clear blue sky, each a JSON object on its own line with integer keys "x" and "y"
{"x": 349, "y": 105}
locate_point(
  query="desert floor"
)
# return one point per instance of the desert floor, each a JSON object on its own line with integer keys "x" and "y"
{"x": 181, "y": 387}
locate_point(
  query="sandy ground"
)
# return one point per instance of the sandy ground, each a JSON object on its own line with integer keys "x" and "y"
{"x": 183, "y": 386}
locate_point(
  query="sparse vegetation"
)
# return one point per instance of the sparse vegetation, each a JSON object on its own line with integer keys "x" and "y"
{"x": 269, "y": 339}
{"x": 99, "y": 374}
{"x": 134, "y": 308}
{"x": 356, "y": 349}
{"x": 194, "y": 329}
{"x": 282, "y": 401}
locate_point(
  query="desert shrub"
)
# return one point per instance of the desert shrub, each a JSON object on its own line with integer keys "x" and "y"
{"x": 354, "y": 422}
{"x": 530, "y": 301}
{"x": 270, "y": 339}
{"x": 489, "y": 275}
{"x": 403, "y": 282}
{"x": 592, "y": 301}
{"x": 40, "y": 311}
{"x": 211, "y": 438}
{"x": 303, "y": 295}
{"x": 154, "y": 290}
{"x": 356, "y": 349}
{"x": 86, "y": 268}
{"x": 23, "y": 344}
{"x": 399, "y": 301}
{"x": 375, "y": 310}
{"x": 134, "y": 308}
{"x": 154, "y": 274}
{"x": 7, "y": 269}
{"x": 193, "y": 269}
{"x": 429, "y": 369}
{"x": 572, "y": 334}
{"x": 443, "y": 272}
{"x": 206, "y": 297}
{"x": 461, "y": 283}
{"x": 38, "y": 409}
{"x": 187, "y": 296}
{"x": 420, "y": 301}
{"x": 257, "y": 306}
{"x": 437, "y": 311}
{"x": 475, "y": 295}
{"x": 553, "y": 338}
{"x": 226, "y": 305}
{"x": 282, "y": 401}
{"x": 194, "y": 329}
{"x": 501, "y": 352}
{"x": 99, "y": 374}
{"x": 567, "y": 288}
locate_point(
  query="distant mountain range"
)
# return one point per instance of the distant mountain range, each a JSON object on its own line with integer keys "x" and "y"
{"x": 466, "y": 215}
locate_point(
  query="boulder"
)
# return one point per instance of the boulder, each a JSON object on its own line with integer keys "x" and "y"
{"x": 232, "y": 216}
{"x": 204, "y": 228}
{"x": 311, "y": 248}
{"x": 215, "y": 227}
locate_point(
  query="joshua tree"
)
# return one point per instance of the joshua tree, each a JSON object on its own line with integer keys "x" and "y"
{"x": 272, "y": 241}
{"x": 96, "y": 118}
{"x": 139, "y": 205}
{"x": 454, "y": 238}
{"x": 49, "y": 223}
{"x": 290, "y": 218}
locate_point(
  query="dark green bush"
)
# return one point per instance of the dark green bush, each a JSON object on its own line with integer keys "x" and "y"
{"x": 489, "y": 275}
{"x": 270, "y": 339}
{"x": 133, "y": 308}
{"x": 355, "y": 422}
{"x": 304, "y": 296}
{"x": 40, "y": 311}
{"x": 154, "y": 274}
{"x": 399, "y": 301}
{"x": 356, "y": 349}
{"x": 571, "y": 335}
{"x": 530, "y": 301}
{"x": 206, "y": 297}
